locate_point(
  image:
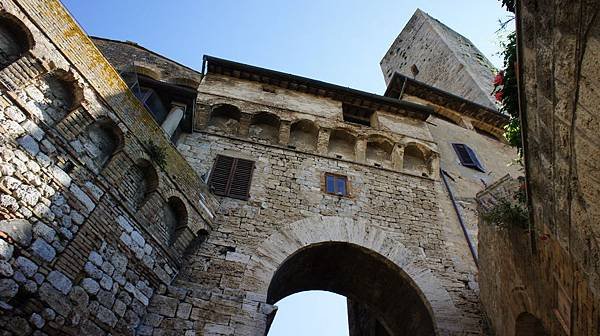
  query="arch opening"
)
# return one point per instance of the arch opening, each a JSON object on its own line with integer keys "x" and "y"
{"x": 225, "y": 118}
{"x": 15, "y": 40}
{"x": 342, "y": 143}
{"x": 529, "y": 325}
{"x": 415, "y": 160}
{"x": 100, "y": 141}
{"x": 174, "y": 217}
{"x": 264, "y": 126}
{"x": 366, "y": 278}
{"x": 304, "y": 135}
{"x": 140, "y": 180}
{"x": 51, "y": 97}
{"x": 379, "y": 151}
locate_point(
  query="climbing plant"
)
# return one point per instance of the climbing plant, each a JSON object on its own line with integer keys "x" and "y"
{"x": 505, "y": 84}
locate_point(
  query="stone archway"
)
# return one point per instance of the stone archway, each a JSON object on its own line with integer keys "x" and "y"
{"x": 527, "y": 324}
{"x": 323, "y": 234}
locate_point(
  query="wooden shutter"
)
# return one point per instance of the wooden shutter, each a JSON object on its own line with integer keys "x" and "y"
{"x": 231, "y": 177}
{"x": 467, "y": 156}
{"x": 220, "y": 175}
{"x": 241, "y": 179}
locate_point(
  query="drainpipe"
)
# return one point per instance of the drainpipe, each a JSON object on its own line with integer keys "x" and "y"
{"x": 460, "y": 218}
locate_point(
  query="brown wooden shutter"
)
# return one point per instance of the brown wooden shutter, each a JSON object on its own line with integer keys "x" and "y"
{"x": 241, "y": 179}
{"x": 220, "y": 175}
{"x": 231, "y": 177}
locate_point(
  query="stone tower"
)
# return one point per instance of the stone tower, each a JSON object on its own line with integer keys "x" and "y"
{"x": 432, "y": 53}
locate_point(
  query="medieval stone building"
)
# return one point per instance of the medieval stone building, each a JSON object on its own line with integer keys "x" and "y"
{"x": 143, "y": 197}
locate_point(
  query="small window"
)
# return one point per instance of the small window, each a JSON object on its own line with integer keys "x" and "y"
{"x": 467, "y": 156}
{"x": 357, "y": 114}
{"x": 231, "y": 177}
{"x": 336, "y": 184}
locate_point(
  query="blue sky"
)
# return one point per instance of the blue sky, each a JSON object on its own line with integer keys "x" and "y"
{"x": 337, "y": 41}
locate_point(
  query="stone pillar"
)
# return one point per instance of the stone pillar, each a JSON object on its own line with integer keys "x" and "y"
{"x": 360, "y": 149}
{"x": 434, "y": 165}
{"x": 323, "y": 140}
{"x": 245, "y": 120}
{"x": 397, "y": 157}
{"x": 173, "y": 119}
{"x": 284, "y": 132}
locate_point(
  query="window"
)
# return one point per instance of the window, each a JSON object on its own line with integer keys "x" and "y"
{"x": 467, "y": 157}
{"x": 231, "y": 177}
{"x": 357, "y": 114}
{"x": 336, "y": 184}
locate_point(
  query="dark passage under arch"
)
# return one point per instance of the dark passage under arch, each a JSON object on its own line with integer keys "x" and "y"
{"x": 361, "y": 275}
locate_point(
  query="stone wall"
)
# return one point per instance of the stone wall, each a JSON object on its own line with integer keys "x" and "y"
{"x": 550, "y": 274}
{"x": 522, "y": 286}
{"x": 77, "y": 254}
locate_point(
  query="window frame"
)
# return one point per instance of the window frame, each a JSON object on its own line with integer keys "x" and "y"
{"x": 336, "y": 178}
{"x": 471, "y": 160}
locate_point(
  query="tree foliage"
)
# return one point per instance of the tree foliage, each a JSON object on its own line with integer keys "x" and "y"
{"x": 509, "y": 5}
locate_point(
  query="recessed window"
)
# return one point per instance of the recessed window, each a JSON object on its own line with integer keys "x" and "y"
{"x": 357, "y": 114}
{"x": 231, "y": 177}
{"x": 467, "y": 157}
{"x": 336, "y": 184}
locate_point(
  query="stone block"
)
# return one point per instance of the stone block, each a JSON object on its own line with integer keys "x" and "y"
{"x": 60, "y": 281}
{"x": 26, "y": 266}
{"x": 43, "y": 250}
{"x": 163, "y": 305}
{"x": 90, "y": 285}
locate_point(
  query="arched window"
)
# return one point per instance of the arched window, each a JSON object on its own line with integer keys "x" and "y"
{"x": 265, "y": 126}
{"x": 342, "y": 144}
{"x": 140, "y": 180}
{"x": 100, "y": 141}
{"x": 225, "y": 118}
{"x": 529, "y": 325}
{"x": 415, "y": 160}
{"x": 304, "y": 135}
{"x": 15, "y": 40}
{"x": 379, "y": 151}
{"x": 174, "y": 217}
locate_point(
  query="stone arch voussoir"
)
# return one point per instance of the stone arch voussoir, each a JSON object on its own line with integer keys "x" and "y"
{"x": 321, "y": 229}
